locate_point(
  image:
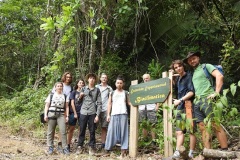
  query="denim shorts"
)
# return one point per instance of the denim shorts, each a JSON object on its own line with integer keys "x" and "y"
{"x": 73, "y": 121}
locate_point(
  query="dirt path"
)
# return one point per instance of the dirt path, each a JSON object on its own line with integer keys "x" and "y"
{"x": 27, "y": 148}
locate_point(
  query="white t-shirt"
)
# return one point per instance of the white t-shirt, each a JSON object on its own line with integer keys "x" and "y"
{"x": 119, "y": 103}
{"x": 149, "y": 107}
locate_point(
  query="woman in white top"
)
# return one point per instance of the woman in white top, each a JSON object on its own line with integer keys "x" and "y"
{"x": 54, "y": 113}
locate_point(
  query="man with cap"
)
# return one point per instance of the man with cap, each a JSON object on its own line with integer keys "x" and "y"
{"x": 204, "y": 93}
{"x": 89, "y": 113}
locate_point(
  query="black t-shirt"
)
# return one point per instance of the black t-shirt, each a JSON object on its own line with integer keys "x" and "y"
{"x": 74, "y": 96}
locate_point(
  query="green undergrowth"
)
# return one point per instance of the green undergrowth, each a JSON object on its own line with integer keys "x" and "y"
{"x": 21, "y": 112}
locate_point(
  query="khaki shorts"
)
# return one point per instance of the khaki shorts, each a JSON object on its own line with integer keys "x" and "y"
{"x": 150, "y": 115}
{"x": 103, "y": 119}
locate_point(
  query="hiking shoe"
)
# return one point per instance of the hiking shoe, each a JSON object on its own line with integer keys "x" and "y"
{"x": 79, "y": 150}
{"x": 66, "y": 151}
{"x": 50, "y": 150}
{"x": 190, "y": 155}
{"x": 118, "y": 145}
{"x": 91, "y": 150}
{"x": 175, "y": 155}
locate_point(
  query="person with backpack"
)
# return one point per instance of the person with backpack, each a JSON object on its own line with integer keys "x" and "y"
{"x": 89, "y": 113}
{"x": 105, "y": 91}
{"x": 67, "y": 89}
{"x": 74, "y": 109}
{"x": 148, "y": 113}
{"x": 185, "y": 92}
{"x": 117, "y": 117}
{"x": 204, "y": 94}
{"x": 54, "y": 113}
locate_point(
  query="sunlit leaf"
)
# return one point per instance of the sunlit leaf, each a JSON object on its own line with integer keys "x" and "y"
{"x": 233, "y": 88}
{"x": 225, "y": 91}
{"x": 224, "y": 101}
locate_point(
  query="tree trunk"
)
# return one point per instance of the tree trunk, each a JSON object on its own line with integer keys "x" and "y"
{"x": 211, "y": 153}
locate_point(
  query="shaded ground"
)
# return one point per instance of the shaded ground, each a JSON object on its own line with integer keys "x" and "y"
{"x": 19, "y": 147}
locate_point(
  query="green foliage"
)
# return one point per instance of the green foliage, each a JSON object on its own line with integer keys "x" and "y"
{"x": 113, "y": 65}
{"x": 158, "y": 129}
{"x": 22, "y": 111}
{"x": 221, "y": 107}
{"x": 155, "y": 69}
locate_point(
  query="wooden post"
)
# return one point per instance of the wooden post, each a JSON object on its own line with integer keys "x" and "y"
{"x": 133, "y": 140}
{"x": 167, "y": 115}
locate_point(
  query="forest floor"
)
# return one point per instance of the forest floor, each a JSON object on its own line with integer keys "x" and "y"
{"x": 26, "y": 147}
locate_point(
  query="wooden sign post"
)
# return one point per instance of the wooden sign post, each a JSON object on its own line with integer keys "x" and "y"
{"x": 167, "y": 115}
{"x": 133, "y": 140}
{"x": 155, "y": 91}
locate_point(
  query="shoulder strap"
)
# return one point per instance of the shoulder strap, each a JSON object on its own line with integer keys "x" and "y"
{"x": 65, "y": 97}
{"x": 98, "y": 91}
{"x": 51, "y": 96}
{"x": 207, "y": 74}
{"x": 112, "y": 95}
{"x": 126, "y": 93}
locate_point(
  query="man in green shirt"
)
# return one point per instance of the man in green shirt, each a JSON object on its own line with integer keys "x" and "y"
{"x": 203, "y": 92}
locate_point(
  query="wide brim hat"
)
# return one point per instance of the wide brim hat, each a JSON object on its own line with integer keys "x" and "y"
{"x": 91, "y": 75}
{"x": 190, "y": 54}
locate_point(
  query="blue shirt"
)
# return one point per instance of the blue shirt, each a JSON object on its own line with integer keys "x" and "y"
{"x": 77, "y": 102}
{"x": 184, "y": 85}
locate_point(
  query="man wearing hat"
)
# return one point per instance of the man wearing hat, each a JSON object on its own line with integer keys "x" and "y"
{"x": 204, "y": 92}
{"x": 89, "y": 114}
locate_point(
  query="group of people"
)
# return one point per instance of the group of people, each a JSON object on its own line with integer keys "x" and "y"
{"x": 89, "y": 104}
{"x": 196, "y": 89}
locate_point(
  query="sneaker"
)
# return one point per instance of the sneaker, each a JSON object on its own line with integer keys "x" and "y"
{"x": 190, "y": 155}
{"x": 91, "y": 150}
{"x": 118, "y": 145}
{"x": 79, "y": 150}
{"x": 66, "y": 151}
{"x": 176, "y": 155}
{"x": 50, "y": 150}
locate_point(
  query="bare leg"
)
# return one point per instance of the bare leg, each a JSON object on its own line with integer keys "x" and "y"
{"x": 103, "y": 134}
{"x": 70, "y": 134}
{"x": 193, "y": 140}
{"x": 153, "y": 132}
{"x": 205, "y": 135}
{"x": 221, "y": 136}
{"x": 180, "y": 139}
{"x": 145, "y": 133}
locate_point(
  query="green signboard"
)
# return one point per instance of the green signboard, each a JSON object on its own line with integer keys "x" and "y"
{"x": 150, "y": 92}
